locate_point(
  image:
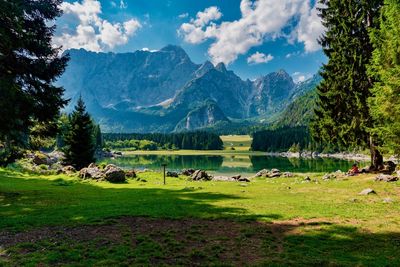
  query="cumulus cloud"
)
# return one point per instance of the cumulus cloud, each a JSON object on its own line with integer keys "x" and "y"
{"x": 309, "y": 28}
{"x": 259, "y": 58}
{"x": 92, "y": 32}
{"x": 260, "y": 19}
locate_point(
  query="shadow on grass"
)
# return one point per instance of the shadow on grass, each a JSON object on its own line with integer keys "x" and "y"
{"x": 35, "y": 202}
{"x": 187, "y": 227}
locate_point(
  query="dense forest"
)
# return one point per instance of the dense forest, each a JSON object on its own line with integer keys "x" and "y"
{"x": 187, "y": 140}
{"x": 282, "y": 139}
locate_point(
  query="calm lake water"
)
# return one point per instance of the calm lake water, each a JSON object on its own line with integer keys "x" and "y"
{"x": 224, "y": 165}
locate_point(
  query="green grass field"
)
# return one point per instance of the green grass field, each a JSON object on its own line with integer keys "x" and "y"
{"x": 60, "y": 220}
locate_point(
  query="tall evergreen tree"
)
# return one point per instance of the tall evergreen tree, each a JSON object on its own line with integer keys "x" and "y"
{"x": 98, "y": 136}
{"x": 385, "y": 68}
{"x": 79, "y": 142}
{"x": 343, "y": 116}
{"x": 28, "y": 67}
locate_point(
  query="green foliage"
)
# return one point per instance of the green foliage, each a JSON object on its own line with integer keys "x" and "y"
{"x": 282, "y": 139}
{"x": 29, "y": 64}
{"x": 133, "y": 145}
{"x": 98, "y": 137}
{"x": 79, "y": 142}
{"x": 342, "y": 115}
{"x": 299, "y": 113}
{"x": 385, "y": 68}
{"x": 187, "y": 140}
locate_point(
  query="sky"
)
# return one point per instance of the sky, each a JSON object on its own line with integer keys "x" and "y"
{"x": 252, "y": 37}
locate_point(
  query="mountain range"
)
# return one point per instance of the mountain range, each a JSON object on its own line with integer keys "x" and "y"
{"x": 164, "y": 91}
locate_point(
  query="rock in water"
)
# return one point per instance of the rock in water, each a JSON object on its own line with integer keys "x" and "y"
{"x": 367, "y": 191}
{"x": 386, "y": 178}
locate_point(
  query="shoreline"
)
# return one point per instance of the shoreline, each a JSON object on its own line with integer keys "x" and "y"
{"x": 315, "y": 155}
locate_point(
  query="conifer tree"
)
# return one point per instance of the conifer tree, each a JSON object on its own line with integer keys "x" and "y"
{"x": 98, "y": 137}
{"x": 385, "y": 68}
{"x": 79, "y": 142}
{"x": 29, "y": 64}
{"x": 342, "y": 113}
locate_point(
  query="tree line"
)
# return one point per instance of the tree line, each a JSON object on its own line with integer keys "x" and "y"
{"x": 281, "y": 139}
{"x": 198, "y": 140}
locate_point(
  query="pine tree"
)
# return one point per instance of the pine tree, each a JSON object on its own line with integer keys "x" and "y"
{"x": 342, "y": 113}
{"x": 385, "y": 68}
{"x": 98, "y": 137}
{"x": 79, "y": 142}
{"x": 29, "y": 64}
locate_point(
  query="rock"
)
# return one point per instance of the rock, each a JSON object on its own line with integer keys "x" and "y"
{"x": 275, "y": 171}
{"x": 262, "y": 173}
{"x": 200, "y": 175}
{"x": 223, "y": 179}
{"x": 40, "y": 159}
{"x": 130, "y": 174}
{"x": 329, "y": 176}
{"x": 236, "y": 177}
{"x": 287, "y": 174}
{"x": 93, "y": 173}
{"x": 389, "y": 167}
{"x": 187, "y": 172}
{"x": 117, "y": 153}
{"x": 274, "y": 174}
{"x": 92, "y": 165}
{"x": 109, "y": 166}
{"x": 68, "y": 169}
{"x": 114, "y": 174}
{"x": 172, "y": 174}
{"x": 243, "y": 179}
{"x": 307, "y": 179}
{"x": 367, "y": 191}
{"x": 387, "y": 200}
{"x": 386, "y": 178}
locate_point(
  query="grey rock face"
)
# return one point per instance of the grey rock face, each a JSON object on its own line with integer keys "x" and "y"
{"x": 164, "y": 91}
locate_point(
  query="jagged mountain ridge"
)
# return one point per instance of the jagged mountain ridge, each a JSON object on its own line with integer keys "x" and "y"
{"x": 165, "y": 91}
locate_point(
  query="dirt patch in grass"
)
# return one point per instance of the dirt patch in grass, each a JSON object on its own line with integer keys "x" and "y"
{"x": 193, "y": 242}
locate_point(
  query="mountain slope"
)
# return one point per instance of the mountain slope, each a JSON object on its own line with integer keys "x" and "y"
{"x": 164, "y": 91}
{"x": 301, "y": 109}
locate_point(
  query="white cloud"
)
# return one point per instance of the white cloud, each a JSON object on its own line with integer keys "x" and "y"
{"x": 259, "y": 58}
{"x": 299, "y": 77}
{"x": 183, "y": 16}
{"x": 92, "y": 32}
{"x": 123, "y": 5}
{"x": 309, "y": 28}
{"x": 261, "y": 19}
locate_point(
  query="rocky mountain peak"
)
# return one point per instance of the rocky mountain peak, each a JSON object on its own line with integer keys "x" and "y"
{"x": 221, "y": 67}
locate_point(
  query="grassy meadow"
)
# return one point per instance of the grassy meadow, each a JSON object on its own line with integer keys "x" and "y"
{"x": 61, "y": 220}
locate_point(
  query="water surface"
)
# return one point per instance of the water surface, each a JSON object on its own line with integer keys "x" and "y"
{"x": 229, "y": 164}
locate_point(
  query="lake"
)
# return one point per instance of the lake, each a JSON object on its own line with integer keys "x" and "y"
{"x": 230, "y": 164}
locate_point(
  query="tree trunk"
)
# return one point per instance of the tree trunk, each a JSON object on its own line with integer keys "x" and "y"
{"x": 376, "y": 157}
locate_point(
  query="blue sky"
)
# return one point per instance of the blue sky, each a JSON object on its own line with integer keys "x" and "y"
{"x": 252, "y": 37}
